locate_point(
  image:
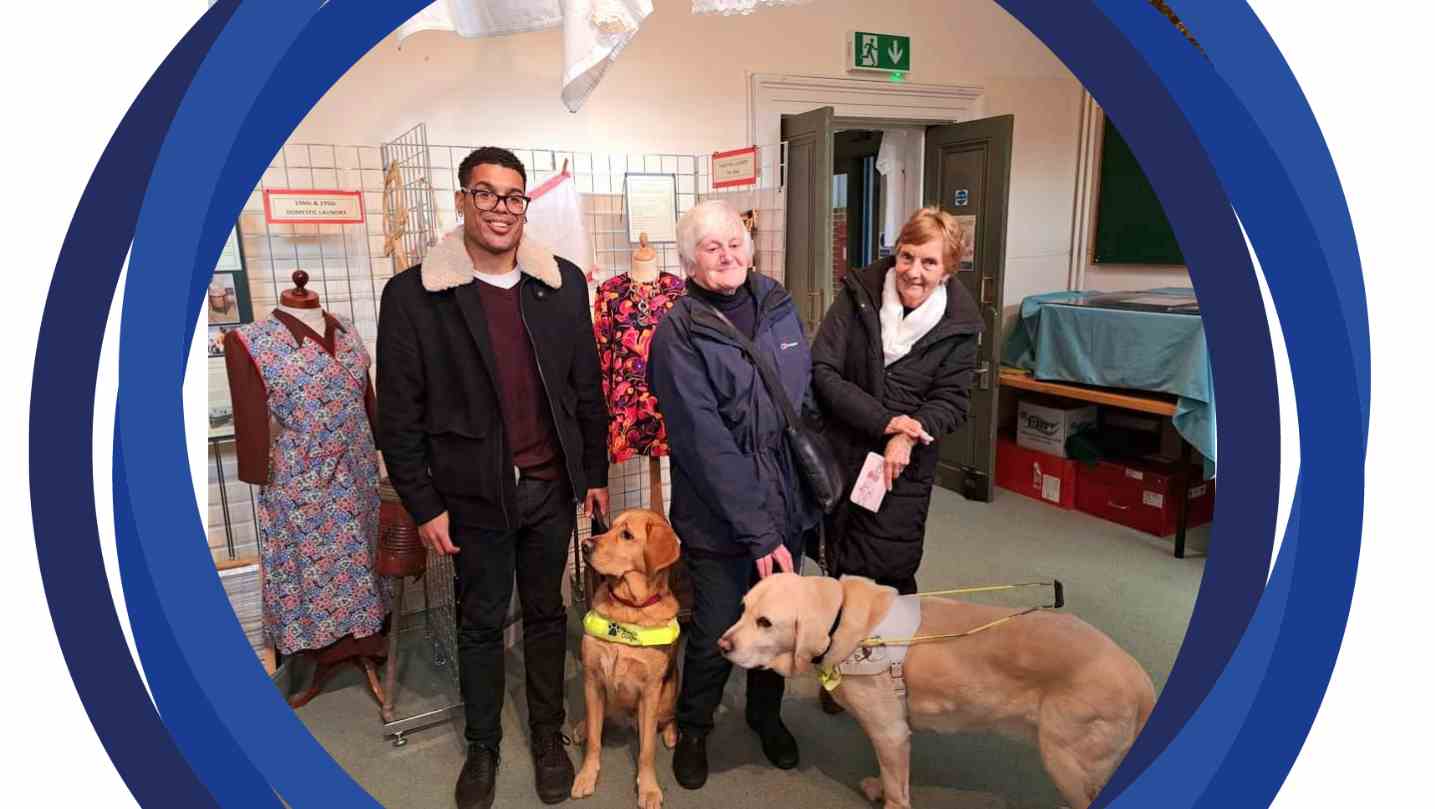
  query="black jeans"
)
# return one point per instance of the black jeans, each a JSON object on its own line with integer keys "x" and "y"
{"x": 537, "y": 551}
{"x": 719, "y": 583}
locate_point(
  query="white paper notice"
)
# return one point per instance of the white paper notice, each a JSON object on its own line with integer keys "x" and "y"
{"x": 652, "y": 203}
{"x": 1051, "y": 488}
{"x": 870, "y": 487}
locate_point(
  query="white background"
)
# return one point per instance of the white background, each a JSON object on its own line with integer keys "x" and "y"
{"x": 1365, "y": 69}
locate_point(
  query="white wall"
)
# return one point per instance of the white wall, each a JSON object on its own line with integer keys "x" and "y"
{"x": 1043, "y": 181}
{"x": 682, "y": 86}
{"x": 681, "y": 83}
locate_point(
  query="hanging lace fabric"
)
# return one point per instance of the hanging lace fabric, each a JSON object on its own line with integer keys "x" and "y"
{"x": 730, "y": 7}
{"x": 594, "y": 31}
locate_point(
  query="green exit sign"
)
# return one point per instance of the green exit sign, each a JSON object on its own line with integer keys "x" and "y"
{"x": 890, "y": 53}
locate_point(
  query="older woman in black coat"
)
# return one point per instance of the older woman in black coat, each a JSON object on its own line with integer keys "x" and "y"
{"x": 892, "y": 370}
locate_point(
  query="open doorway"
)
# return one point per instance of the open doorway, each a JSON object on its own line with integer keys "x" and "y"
{"x": 843, "y": 212}
{"x": 874, "y": 190}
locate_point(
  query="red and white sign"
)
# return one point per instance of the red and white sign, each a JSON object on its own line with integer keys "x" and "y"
{"x": 734, "y": 168}
{"x": 313, "y": 206}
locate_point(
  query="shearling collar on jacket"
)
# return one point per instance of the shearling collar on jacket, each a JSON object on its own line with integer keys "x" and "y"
{"x": 448, "y": 265}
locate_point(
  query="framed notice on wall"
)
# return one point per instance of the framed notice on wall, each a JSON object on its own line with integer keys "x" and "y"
{"x": 651, "y": 204}
{"x": 310, "y": 206}
{"x": 735, "y": 168}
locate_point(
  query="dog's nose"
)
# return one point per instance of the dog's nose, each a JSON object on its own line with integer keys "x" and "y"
{"x": 724, "y": 644}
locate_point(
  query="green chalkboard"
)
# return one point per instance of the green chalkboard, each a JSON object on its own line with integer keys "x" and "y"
{"x": 1131, "y": 227}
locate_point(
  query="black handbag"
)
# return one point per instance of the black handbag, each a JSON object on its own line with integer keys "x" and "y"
{"x": 816, "y": 462}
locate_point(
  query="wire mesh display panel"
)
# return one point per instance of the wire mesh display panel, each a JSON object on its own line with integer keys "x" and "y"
{"x": 348, "y": 266}
{"x": 408, "y": 193}
{"x": 410, "y": 210}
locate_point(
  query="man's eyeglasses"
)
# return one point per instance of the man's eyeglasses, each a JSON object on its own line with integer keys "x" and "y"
{"x": 485, "y": 200}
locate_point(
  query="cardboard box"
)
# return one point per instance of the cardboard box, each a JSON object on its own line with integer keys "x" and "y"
{"x": 1036, "y": 474}
{"x": 1141, "y": 495}
{"x": 1045, "y": 425}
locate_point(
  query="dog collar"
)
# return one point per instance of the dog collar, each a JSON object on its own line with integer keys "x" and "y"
{"x": 653, "y": 599}
{"x": 832, "y": 630}
{"x": 630, "y": 634}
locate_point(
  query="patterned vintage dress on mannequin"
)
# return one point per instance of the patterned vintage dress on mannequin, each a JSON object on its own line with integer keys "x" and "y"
{"x": 626, "y": 312}
{"x": 318, "y": 514}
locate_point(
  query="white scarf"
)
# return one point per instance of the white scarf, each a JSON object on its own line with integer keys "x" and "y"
{"x": 900, "y": 333}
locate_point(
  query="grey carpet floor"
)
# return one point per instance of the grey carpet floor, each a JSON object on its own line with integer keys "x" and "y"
{"x": 1122, "y": 581}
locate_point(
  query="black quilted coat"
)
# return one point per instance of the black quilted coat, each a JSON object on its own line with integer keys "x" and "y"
{"x": 858, "y": 396}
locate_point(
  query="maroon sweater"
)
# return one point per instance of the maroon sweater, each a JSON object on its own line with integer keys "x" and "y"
{"x": 527, "y": 420}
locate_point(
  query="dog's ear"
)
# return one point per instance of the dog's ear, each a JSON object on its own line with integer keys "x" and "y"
{"x": 661, "y": 548}
{"x": 817, "y": 606}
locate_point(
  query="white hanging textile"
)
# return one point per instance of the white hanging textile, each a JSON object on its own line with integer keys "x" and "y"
{"x": 730, "y": 7}
{"x": 555, "y": 218}
{"x": 484, "y": 18}
{"x": 594, "y": 31}
{"x": 898, "y": 165}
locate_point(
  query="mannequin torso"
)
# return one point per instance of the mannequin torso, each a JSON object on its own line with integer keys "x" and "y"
{"x": 644, "y": 271}
{"x": 312, "y": 317}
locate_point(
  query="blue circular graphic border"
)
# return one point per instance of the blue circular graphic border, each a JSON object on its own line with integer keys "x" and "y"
{"x": 1222, "y": 133}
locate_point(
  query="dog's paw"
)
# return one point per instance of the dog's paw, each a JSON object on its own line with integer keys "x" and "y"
{"x": 872, "y": 788}
{"x": 670, "y": 735}
{"x": 650, "y": 797}
{"x": 585, "y": 782}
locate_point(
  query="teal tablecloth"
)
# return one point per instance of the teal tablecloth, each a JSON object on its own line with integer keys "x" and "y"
{"x": 1116, "y": 348}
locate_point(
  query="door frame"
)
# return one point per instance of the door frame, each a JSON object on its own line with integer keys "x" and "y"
{"x": 856, "y": 102}
{"x": 859, "y": 103}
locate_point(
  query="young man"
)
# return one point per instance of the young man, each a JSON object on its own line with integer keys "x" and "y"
{"x": 493, "y": 426}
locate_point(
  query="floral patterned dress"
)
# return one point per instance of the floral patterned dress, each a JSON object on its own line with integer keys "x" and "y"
{"x": 625, "y": 315}
{"x": 318, "y": 516}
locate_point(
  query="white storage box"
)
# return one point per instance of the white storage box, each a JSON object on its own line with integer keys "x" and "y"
{"x": 1045, "y": 425}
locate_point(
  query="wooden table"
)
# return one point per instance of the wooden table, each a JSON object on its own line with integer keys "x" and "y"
{"x": 1160, "y": 404}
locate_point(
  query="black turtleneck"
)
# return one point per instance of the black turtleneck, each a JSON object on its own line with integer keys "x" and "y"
{"x": 739, "y": 307}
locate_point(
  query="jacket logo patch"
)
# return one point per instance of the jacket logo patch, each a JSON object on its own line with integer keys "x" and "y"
{"x": 786, "y": 346}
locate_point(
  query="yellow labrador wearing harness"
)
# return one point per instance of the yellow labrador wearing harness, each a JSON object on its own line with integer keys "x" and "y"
{"x": 1046, "y": 677}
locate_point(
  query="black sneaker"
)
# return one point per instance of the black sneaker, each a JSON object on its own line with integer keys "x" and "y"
{"x": 475, "y": 781}
{"x": 690, "y": 760}
{"x": 552, "y": 769}
{"x": 777, "y": 742}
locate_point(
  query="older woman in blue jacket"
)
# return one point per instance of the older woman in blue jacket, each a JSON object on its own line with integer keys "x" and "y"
{"x": 737, "y": 501}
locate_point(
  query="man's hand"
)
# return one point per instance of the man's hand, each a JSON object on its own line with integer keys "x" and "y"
{"x": 779, "y": 560}
{"x": 897, "y": 456}
{"x": 596, "y": 499}
{"x": 434, "y": 535}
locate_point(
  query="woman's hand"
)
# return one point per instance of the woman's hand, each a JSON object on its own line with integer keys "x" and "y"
{"x": 779, "y": 560}
{"x": 897, "y": 456}
{"x": 905, "y": 425}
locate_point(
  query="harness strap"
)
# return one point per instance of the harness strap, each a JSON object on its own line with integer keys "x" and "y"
{"x": 915, "y": 639}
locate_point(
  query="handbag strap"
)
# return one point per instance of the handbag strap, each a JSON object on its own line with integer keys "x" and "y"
{"x": 764, "y": 370}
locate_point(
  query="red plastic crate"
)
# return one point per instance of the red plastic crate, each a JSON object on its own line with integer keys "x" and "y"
{"x": 1036, "y": 474}
{"x": 1140, "y": 495}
